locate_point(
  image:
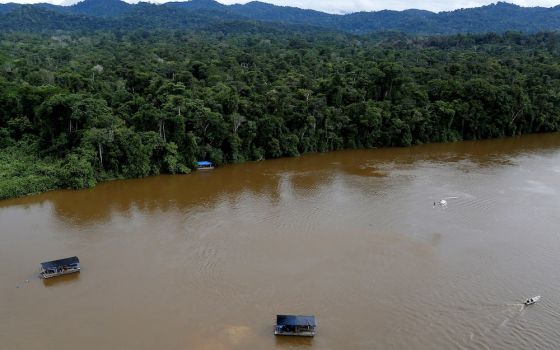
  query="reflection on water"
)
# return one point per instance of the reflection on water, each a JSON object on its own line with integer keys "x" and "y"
{"x": 61, "y": 280}
{"x": 293, "y": 342}
{"x": 206, "y": 261}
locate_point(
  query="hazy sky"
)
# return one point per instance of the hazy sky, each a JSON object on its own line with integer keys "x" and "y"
{"x": 344, "y": 6}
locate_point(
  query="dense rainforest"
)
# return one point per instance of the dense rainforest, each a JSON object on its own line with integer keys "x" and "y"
{"x": 77, "y": 108}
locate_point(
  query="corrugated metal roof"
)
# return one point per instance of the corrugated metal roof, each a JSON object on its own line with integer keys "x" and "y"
{"x": 295, "y": 320}
{"x": 60, "y": 262}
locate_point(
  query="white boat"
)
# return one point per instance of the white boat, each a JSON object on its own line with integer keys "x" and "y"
{"x": 532, "y": 300}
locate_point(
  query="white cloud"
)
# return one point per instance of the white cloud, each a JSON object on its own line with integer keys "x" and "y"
{"x": 345, "y": 6}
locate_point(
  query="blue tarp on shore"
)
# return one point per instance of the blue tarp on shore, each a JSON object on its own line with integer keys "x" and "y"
{"x": 204, "y": 163}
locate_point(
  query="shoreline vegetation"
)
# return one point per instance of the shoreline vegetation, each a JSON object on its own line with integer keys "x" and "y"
{"x": 80, "y": 108}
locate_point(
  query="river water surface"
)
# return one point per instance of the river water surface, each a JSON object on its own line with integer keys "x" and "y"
{"x": 206, "y": 261}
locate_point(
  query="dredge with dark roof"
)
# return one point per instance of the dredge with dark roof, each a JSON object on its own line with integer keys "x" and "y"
{"x": 60, "y": 267}
{"x": 295, "y": 325}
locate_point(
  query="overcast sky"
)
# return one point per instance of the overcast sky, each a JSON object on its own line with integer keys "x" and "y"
{"x": 345, "y": 6}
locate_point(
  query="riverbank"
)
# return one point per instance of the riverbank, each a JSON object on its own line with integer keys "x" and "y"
{"x": 24, "y": 173}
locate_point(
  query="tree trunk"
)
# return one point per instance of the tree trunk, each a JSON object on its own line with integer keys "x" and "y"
{"x": 100, "y": 148}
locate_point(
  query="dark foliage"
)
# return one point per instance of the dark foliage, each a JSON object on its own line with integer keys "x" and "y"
{"x": 77, "y": 108}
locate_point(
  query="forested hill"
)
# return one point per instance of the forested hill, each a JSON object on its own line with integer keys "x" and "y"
{"x": 116, "y": 14}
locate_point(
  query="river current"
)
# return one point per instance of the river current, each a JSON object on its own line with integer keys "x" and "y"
{"x": 206, "y": 260}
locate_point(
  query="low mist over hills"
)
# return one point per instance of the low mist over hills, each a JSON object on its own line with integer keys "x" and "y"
{"x": 116, "y": 14}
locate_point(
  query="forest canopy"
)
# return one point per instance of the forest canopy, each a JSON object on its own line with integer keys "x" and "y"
{"x": 81, "y": 107}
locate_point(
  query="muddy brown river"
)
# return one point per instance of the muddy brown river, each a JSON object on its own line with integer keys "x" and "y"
{"x": 206, "y": 261}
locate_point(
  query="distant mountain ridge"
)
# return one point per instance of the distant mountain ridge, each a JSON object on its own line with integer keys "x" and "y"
{"x": 499, "y": 17}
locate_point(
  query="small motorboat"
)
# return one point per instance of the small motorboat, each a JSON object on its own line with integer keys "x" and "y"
{"x": 532, "y": 300}
{"x": 443, "y": 202}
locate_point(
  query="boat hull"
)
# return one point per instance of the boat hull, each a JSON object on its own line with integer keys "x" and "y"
{"x": 295, "y": 334}
{"x": 51, "y": 275}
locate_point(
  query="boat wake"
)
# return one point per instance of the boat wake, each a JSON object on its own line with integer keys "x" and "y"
{"x": 508, "y": 312}
{"x": 516, "y": 312}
